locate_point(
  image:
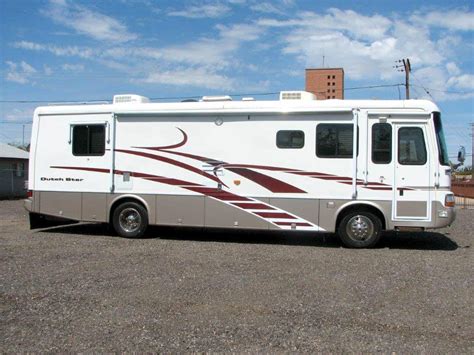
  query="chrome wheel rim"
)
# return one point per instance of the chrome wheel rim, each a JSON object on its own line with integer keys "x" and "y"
{"x": 360, "y": 228}
{"x": 130, "y": 220}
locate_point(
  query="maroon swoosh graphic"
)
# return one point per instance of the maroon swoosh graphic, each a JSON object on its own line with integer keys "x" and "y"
{"x": 268, "y": 182}
{"x": 275, "y": 215}
{"x": 156, "y": 178}
{"x": 263, "y": 167}
{"x": 253, "y": 206}
{"x": 177, "y": 145}
{"x": 172, "y": 162}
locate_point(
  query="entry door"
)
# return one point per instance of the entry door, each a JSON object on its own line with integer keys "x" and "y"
{"x": 412, "y": 177}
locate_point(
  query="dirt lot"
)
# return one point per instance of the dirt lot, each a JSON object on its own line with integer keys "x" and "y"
{"x": 78, "y": 288}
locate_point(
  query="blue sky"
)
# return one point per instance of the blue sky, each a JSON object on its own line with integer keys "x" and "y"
{"x": 57, "y": 50}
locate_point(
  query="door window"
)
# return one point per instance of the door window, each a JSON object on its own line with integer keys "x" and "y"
{"x": 382, "y": 143}
{"x": 411, "y": 146}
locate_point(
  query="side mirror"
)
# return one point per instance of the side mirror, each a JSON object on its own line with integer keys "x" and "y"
{"x": 461, "y": 155}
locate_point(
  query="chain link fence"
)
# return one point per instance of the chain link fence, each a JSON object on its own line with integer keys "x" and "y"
{"x": 13, "y": 184}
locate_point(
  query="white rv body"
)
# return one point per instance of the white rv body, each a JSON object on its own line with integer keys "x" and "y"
{"x": 221, "y": 163}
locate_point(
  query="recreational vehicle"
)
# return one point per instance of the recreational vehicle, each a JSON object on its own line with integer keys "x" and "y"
{"x": 298, "y": 164}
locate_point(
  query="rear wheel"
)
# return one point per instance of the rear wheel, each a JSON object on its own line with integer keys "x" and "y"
{"x": 130, "y": 220}
{"x": 360, "y": 229}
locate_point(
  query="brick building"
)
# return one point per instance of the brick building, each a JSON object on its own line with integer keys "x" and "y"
{"x": 325, "y": 83}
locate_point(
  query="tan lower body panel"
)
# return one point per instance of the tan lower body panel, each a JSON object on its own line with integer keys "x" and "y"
{"x": 180, "y": 210}
{"x": 61, "y": 204}
{"x": 206, "y": 211}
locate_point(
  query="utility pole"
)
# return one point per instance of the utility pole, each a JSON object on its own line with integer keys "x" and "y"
{"x": 23, "y": 141}
{"x": 472, "y": 154}
{"x": 407, "y": 69}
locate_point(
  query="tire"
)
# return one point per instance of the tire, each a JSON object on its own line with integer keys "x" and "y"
{"x": 130, "y": 220}
{"x": 360, "y": 229}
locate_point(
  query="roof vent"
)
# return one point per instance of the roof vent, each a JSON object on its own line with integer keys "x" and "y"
{"x": 129, "y": 98}
{"x": 297, "y": 95}
{"x": 248, "y": 99}
{"x": 216, "y": 98}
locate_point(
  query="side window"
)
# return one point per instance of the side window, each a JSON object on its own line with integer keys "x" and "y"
{"x": 88, "y": 140}
{"x": 382, "y": 143}
{"x": 290, "y": 139}
{"x": 19, "y": 169}
{"x": 334, "y": 140}
{"x": 411, "y": 146}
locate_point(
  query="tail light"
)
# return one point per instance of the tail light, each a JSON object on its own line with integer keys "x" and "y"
{"x": 29, "y": 194}
{"x": 449, "y": 201}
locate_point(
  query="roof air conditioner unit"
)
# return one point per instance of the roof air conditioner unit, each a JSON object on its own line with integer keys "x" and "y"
{"x": 216, "y": 98}
{"x": 130, "y": 98}
{"x": 297, "y": 95}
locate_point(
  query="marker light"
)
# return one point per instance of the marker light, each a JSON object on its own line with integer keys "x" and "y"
{"x": 449, "y": 201}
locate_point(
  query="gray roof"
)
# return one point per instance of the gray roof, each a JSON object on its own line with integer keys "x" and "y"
{"x": 7, "y": 151}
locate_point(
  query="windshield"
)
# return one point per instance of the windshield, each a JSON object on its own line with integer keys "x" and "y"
{"x": 442, "y": 150}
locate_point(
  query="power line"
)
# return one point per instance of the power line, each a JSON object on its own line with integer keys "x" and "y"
{"x": 15, "y": 122}
{"x": 187, "y": 97}
{"x": 424, "y": 88}
{"x": 445, "y": 91}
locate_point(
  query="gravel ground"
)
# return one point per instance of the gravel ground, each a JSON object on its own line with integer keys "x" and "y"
{"x": 78, "y": 288}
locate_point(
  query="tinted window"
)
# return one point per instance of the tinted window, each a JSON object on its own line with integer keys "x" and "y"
{"x": 290, "y": 139}
{"x": 411, "y": 146}
{"x": 334, "y": 140}
{"x": 382, "y": 143}
{"x": 88, "y": 140}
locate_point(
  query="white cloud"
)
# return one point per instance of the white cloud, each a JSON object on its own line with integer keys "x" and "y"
{"x": 20, "y": 73}
{"x": 456, "y": 20}
{"x": 462, "y": 82}
{"x": 87, "y": 22}
{"x": 60, "y": 51}
{"x": 452, "y": 68}
{"x": 266, "y": 7}
{"x": 47, "y": 70}
{"x": 19, "y": 114}
{"x": 198, "y": 77}
{"x": 73, "y": 67}
{"x": 357, "y": 25}
{"x": 214, "y": 10}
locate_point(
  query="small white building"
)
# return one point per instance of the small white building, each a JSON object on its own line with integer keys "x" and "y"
{"x": 13, "y": 171}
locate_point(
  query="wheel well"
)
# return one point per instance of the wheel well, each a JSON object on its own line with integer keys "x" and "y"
{"x": 358, "y": 208}
{"x": 123, "y": 200}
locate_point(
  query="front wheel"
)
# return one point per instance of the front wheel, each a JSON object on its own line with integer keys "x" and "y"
{"x": 130, "y": 220}
{"x": 360, "y": 229}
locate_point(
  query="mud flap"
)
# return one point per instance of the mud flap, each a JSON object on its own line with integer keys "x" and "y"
{"x": 41, "y": 221}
